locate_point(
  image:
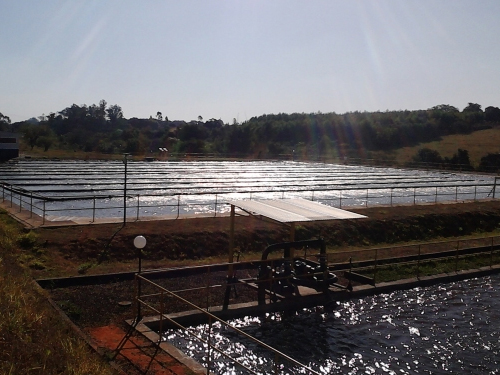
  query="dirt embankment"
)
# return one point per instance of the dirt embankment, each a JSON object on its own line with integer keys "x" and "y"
{"x": 209, "y": 237}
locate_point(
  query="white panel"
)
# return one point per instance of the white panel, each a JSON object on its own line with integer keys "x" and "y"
{"x": 294, "y": 210}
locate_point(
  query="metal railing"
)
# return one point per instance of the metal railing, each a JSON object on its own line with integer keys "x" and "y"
{"x": 423, "y": 259}
{"x": 213, "y": 203}
{"x": 361, "y": 265}
{"x": 279, "y": 359}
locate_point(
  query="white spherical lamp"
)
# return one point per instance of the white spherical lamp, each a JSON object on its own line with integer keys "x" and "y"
{"x": 139, "y": 242}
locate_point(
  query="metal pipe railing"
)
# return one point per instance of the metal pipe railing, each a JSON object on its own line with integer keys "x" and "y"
{"x": 184, "y": 203}
{"x": 370, "y": 261}
{"x": 422, "y": 253}
{"x": 163, "y": 316}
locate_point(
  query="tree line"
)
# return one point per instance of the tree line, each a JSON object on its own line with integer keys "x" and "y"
{"x": 103, "y": 128}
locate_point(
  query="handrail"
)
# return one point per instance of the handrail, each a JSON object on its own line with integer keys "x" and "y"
{"x": 489, "y": 246}
{"x": 223, "y": 322}
{"x": 409, "y": 194}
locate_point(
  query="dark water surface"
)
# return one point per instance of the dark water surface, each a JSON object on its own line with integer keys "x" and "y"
{"x": 444, "y": 329}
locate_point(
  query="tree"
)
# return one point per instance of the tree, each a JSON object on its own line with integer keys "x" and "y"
{"x": 159, "y": 116}
{"x": 473, "y": 107}
{"x": 426, "y": 155}
{"x": 473, "y": 114}
{"x": 38, "y": 135}
{"x": 114, "y": 113}
{"x": 445, "y": 108}
{"x": 102, "y": 109}
{"x": 492, "y": 114}
{"x": 200, "y": 119}
{"x": 461, "y": 159}
{"x": 31, "y": 133}
{"x": 193, "y": 131}
{"x": 45, "y": 141}
{"x": 4, "y": 122}
{"x": 490, "y": 163}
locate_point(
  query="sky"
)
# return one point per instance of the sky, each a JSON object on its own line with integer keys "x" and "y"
{"x": 235, "y": 59}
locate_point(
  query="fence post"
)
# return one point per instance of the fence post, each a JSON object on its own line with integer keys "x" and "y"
{"x": 178, "y": 205}
{"x": 138, "y": 205}
{"x": 20, "y": 201}
{"x": 31, "y": 204}
{"x": 3, "y": 192}
{"x": 491, "y": 253}
{"x": 340, "y": 199}
{"x": 414, "y": 196}
{"x": 456, "y": 193}
{"x": 11, "y": 195}
{"x": 208, "y": 288}
{"x": 475, "y": 192}
{"x": 93, "y": 210}
{"x": 215, "y": 207}
{"x": 391, "y": 196}
{"x": 43, "y": 213}
{"x": 366, "y": 202}
{"x": 161, "y": 315}
{"x": 312, "y": 198}
{"x": 436, "y": 196}
{"x": 418, "y": 262}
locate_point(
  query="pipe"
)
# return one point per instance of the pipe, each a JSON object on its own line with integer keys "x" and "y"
{"x": 320, "y": 242}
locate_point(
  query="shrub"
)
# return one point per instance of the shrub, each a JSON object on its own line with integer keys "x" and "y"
{"x": 28, "y": 241}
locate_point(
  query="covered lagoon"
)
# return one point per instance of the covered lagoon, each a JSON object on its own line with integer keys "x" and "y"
{"x": 97, "y": 188}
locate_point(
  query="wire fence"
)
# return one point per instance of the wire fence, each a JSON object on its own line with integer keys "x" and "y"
{"x": 140, "y": 206}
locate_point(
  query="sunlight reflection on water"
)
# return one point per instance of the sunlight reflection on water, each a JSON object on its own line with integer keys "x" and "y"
{"x": 153, "y": 188}
{"x": 444, "y": 329}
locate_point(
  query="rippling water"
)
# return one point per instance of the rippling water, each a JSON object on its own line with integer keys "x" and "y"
{"x": 156, "y": 188}
{"x": 444, "y": 329}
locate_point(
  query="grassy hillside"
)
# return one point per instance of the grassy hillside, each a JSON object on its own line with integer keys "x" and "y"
{"x": 34, "y": 339}
{"x": 478, "y": 143}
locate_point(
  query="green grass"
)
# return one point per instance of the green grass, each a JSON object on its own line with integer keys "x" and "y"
{"x": 34, "y": 339}
{"x": 395, "y": 272}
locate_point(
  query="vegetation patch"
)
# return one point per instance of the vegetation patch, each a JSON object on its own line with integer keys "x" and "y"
{"x": 387, "y": 273}
{"x": 33, "y": 337}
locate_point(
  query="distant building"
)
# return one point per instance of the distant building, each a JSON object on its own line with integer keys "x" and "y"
{"x": 9, "y": 146}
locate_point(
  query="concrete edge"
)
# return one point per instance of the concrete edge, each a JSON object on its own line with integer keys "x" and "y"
{"x": 80, "y": 333}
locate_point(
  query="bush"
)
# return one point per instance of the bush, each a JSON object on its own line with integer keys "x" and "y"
{"x": 28, "y": 241}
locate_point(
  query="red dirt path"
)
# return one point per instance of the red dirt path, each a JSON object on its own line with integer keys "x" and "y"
{"x": 109, "y": 337}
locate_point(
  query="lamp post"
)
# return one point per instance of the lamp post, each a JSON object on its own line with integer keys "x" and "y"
{"x": 139, "y": 243}
{"x": 125, "y": 155}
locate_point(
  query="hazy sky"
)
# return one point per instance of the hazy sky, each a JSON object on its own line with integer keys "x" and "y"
{"x": 241, "y": 58}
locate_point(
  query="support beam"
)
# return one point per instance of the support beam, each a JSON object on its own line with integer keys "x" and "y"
{"x": 230, "y": 271}
{"x": 292, "y": 239}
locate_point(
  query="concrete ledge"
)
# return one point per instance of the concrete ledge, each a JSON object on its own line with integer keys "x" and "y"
{"x": 424, "y": 281}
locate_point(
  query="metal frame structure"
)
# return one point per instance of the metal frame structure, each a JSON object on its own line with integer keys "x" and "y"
{"x": 284, "y": 211}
